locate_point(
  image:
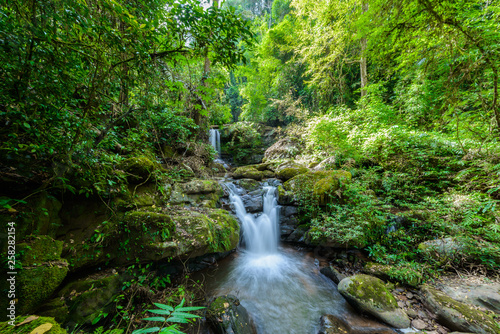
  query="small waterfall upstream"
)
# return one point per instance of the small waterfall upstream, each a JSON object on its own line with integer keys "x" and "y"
{"x": 214, "y": 138}
{"x": 281, "y": 288}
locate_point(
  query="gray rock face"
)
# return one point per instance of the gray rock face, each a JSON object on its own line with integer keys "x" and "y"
{"x": 369, "y": 294}
{"x": 227, "y": 316}
{"x": 352, "y": 324}
{"x": 285, "y": 148}
{"x": 456, "y": 315}
{"x": 253, "y": 201}
{"x": 447, "y": 248}
{"x": 482, "y": 295}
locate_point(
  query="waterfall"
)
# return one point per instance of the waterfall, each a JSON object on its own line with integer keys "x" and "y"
{"x": 214, "y": 139}
{"x": 259, "y": 233}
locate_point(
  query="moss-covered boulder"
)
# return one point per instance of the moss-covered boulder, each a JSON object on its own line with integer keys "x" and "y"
{"x": 248, "y": 172}
{"x": 146, "y": 195}
{"x": 400, "y": 273}
{"x": 248, "y": 184}
{"x": 139, "y": 168}
{"x": 456, "y": 315}
{"x": 87, "y": 298}
{"x": 285, "y": 197}
{"x": 32, "y": 325}
{"x": 442, "y": 249}
{"x": 227, "y": 316}
{"x": 197, "y": 192}
{"x": 320, "y": 185}
{"x": 288, "y": 170}
{"x": 369, "y": 294}
{"x": 43, "y": 270}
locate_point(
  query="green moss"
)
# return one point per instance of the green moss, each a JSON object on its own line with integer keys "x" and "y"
{"x": 55, "y": 308}
{"x": 401, "y": 273}
{"x": 225, "y": 231}
{"x": 372, "y": 290}
{"x": 248, "y": 172}
{"x": 325, "y": 188}
{"x": 290, "y": 172}
{"x": 43, "y": 248}
{"x": 6, "y": 328}
{"x": 146, "y": 220}
{"x": 248, "y": 184}
{"x": 139, "y": 168}
{"x": 38, "y": 283}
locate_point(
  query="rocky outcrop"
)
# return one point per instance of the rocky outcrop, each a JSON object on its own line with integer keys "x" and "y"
{"x": 227, "y": 316}
{"x": 285, "y": 148}
{"x": 485, "y": 295}
{"x": 332, "y": 273}
{"x": 369, "y": 294}
{"x": 155, "y": 235}
{"x": 254, "y": 172}
{"x": 42, "y": 272}
{"x": 197, "y": 192}
{"x": 456, "y": 315}
{"x": 289, "y": 169}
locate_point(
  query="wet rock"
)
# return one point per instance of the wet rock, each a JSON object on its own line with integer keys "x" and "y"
{"x": 351, "y": 324}
{"x": 456, "y": 315}
{"x": 248, "y": 172}
{"x": 369, "y": 294}
{"x": 253, "y": 202}
{"x": 227, "y": 316}
{"x": 287, "y": 211}
{"x": 248, "y": 184}
{"x": 333, "y": 274}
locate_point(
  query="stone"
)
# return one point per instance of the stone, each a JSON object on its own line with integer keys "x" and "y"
{"x": 418, "y": 324}
{"x": 333, "y": 274}
{"x": 30, "y": 326}
{"x": 351, "y": 324}
{"x": 479, "y": 294}
{"x": 248, "y": 184}
{"x": 289, "y": 169}
{"x": 248, "y": 172}
{"x": 412, "y": 313}
{"x": 227, "y": 316}
{"x": 456, "y": 315}
{"x": 253, "y": 203}
{"x": 369, "y": 294}
{"x": 326, "y": 164}
{"x": 285, "y": 148}
{"x": 288, "y": 210}
{"x": 139, "y": 168}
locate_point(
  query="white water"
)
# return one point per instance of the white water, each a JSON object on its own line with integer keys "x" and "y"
{"x": 214, "y": 139}
{"x": 281, "y": 289}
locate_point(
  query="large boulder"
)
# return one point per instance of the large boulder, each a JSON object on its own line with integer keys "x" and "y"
{"x": 197, "y": 192}
{"x": 156, "y": 235}
{"x": 369, "y": 294}
{"x": 485, "y": 295}
{"x": 289, "y": 169}
{"x": 456, "y": 315}
{"x": 227, "y": 316}
{"x": 42, "y": 272}
{"x": 320, "y": 186}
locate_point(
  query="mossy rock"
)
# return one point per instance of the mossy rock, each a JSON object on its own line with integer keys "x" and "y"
{"x": 27, "y": 328}
{"x": 286, "y": 174}
{"x": 40, "y": 249}
{"x": 87, "y": 298}
{"x": 369, "y": 294}
{"x": 146, "y": 195}
{"x": 199, "y": 186}
{"x": 319, "y": 185}
{"x": 36, "y": 284}
{"x": 54, "y": 308}
{"x": 456, "y": 315}
{"x": 285, "y": 197}
{"x": 248, "y": 184}
{"x": 226, "y": 315}
{"x": 139, "y": 169}
{"x": 197, "y": 192}
{"x": 248, "y": 172}
{"x": 402, "y": 274}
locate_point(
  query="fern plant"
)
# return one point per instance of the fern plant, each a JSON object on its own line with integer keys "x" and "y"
{"x": 170, "y": 318}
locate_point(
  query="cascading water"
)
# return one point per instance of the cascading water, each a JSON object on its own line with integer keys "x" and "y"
{"x": 281, "y": 289}
{"x": 214, "y": 138}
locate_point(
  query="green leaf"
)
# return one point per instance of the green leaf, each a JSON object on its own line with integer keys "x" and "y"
{"x": 155, "y": 319}
{"x": 165, "y": 307}
{"x": 160, "y": 312}
{"x": 146, "y": 330}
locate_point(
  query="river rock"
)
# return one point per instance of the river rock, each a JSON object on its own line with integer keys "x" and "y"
{"x": 253, "y": 201}
{"x": 248, "y": 184}
{"x": 289, "y": 169}
{"x": 248, "y": 172}
{"x": 478, "y": 294}
{"x": 369, "y": 294}
{"x": 402, "y": 274}
{"x": 227, "y": 316}
{"x": 332, "y": 273}
{"x": 456, "y": 315}
{"x": 352, "y": 324}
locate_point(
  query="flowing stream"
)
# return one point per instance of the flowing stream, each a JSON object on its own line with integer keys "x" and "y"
{"x": 281, "y": 288}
